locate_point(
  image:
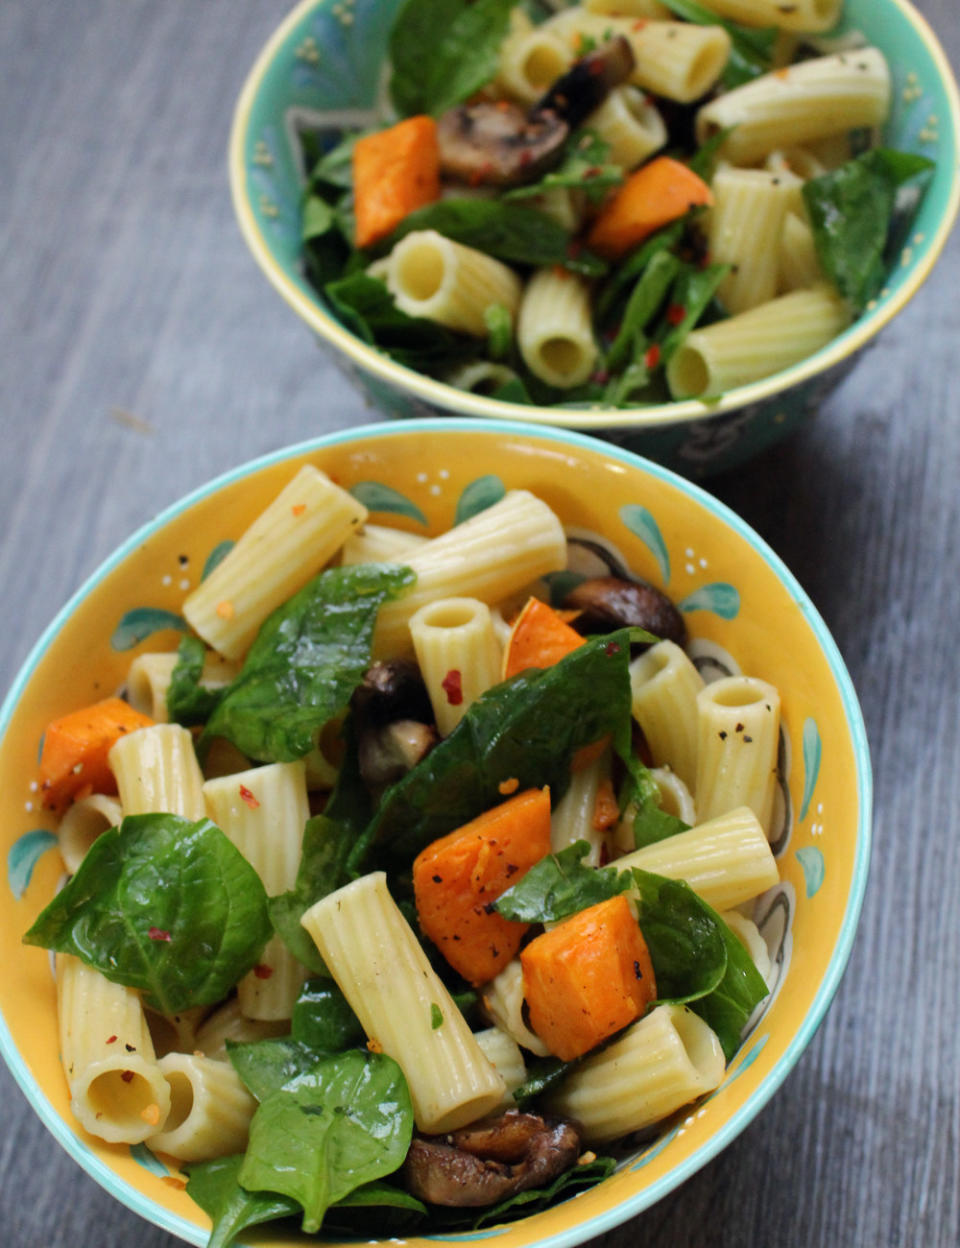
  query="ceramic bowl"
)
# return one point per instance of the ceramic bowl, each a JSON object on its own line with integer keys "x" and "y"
{"x": 322, "y": 69}
{"x": 744, "y": 609}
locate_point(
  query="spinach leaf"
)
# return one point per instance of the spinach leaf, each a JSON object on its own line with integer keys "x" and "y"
{"x": 367, "y": 308}
{"x": 690, "y": 297}
{"x": 543, "y": 1075}
{"x": 266, "y": 1066}
{"x": 323, "y": 1019}
{"x": 851, "y": 209}
{"x": 560, "y": 885}
{"x": 328, "y": 840}
{"x": 163, "y": 905}
{"x": 509, "y": 232}
{"x": 697, "y": 960}
{"x": 375, "y": 1211}
{"x": 614, "y": 289}
{"x": 751, "y": 47}
{"x": 586, "y": 167}
{"x": 442, "y": 51}
{"x": 646, "y": 297}
{"x": 526, "y": 728}
{"x": 215, "y": 1186}
{"x": 347, "y": 1122}
{"x": 305, "y": 662}
{"x": 187, "y": 701}
{"x": 530, "y": 1201}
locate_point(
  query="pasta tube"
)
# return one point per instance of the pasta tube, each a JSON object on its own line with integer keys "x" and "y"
{"x": 263, "y": 811}
{"x": 738, "y": 735}
{"x": 554, "y": 328}
{"x": 503, "y": 1054}
{"x": 805, "y": 15}
{"x": 630, "y": 124}
{"x": 726, "y": 860}
{"x": 117, "y": 1091}
{"x": 149, "y": 679}
{"x": 756, "y": 344}
{"x": 443, "y": 281}
{"x": 458, "y": 654}
{"x": 210, "y": 1109}
{"x": 286, "y": 545}
{"x": 530, "y": 61}
{"x": 572, "y": 818}
{"x": 664, "y": 685}
{"x": 664, "y": 1061}
{"x": 800, "y": 103}
{"x": 402, "y": 1004}
{"x": 376, "y": 543}
{"x": 82, "y": 823}
{"x": 228, "y": 1022}
{"x": 492, "y": 555}
{"x": 156, "y": 769}
{"x": 503, "y": 1001}
{"x": 746, "y": 221}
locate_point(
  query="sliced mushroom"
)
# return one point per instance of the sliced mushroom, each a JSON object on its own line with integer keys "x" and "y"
{"x": 392, "y": 690}
{"x": 608, "y": 603}
{"x": 490, "y": 1160}
{"x": 498, "y": 144}
{"x": 588, "y": 82}
{"x": 388, "y": 751}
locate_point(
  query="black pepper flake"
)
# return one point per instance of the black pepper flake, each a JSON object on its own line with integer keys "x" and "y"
{"x": 747, "y": 739}
{"x": 438, "y": 879}
{"x": 183, "y": 560}
{"x": 490, "y": 908}
{"x": 739, "y": 728}
{"x": 722, "y": 735}
{"x": 494, "y": 951}
{"x": 131, "y": 1048}
{"x": 637, "y": 971}
{"x": 512, "y": 868}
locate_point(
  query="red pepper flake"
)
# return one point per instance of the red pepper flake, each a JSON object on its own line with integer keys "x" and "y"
{"x": 126, "y": 1076}
{"x": 612, "y": 649}
{"x": 593, "y": 172}
{"x": 676, "y": 313}
{"x": 262, "y": 971}
{"x": 298, "y": 508}
{"x": 506, "y": 787}
{"x": 111, "y": 1039}
{"x": 652, "y": 356}
{"x": 452, "y": 686}
{"x": 157, "y": 933}
{"x": 526, "y": 156}
{"x": 601, "y": 377}
{"x": 248, "y": 798}
{"x": 639, "y": 25}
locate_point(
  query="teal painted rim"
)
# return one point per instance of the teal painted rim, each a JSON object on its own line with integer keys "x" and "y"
{"x": 894, "y": 25}
{"x": 156, "y": 1213}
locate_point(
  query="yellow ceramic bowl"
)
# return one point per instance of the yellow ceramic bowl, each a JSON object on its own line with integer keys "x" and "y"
{"x": 743, "y": 608}
{"x": 322, "y": 70}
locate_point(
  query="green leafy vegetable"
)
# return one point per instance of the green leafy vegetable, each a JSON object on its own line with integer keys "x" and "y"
{"x": 509, "y": 232}
{"x": 187, "y": 700}
{"x": 215, "y": 1186}
{"x": 442, "y": 51}
{"x": 163, "y": 905}
{"x": 560, "y": 885}
{"x": 645, "y": 299}
{"x": 629, "y": 270}
{"x": 528, "y": 727}
{"x": 307, "y": 659}
{"x": 323, "y": 1019}
{"x": 346, "y": 1123}
{"x": 522, "y": 1204}
{"x": 586, "y": 167}
{"x": 543, "y": 1074}
{"x": 851, "y": 210}
{"x": 697, "y": 960}
{"x": 365, "y": 306}
{"x": 266, "y": 1066}
{"x": 500, "y": 331}
{"x": 692, "y": 293}
{"x": 436, "y": 1016}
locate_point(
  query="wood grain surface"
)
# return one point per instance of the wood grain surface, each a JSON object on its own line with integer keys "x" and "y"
{"x": 142, "y": 352}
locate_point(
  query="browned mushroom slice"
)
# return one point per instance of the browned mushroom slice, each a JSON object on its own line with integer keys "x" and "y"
{"x": 490, "y": 1160}
{"x": 388, "y": 751}
{"x": 392, "y": 689}
{"x": 607, "y": 603}
{"x": 588, "y": 82}
{"x": 498, "y": 144}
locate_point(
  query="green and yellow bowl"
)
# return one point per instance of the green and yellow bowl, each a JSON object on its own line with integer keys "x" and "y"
{"x": 323, "y": 68}
{"x": 743, "y": 608}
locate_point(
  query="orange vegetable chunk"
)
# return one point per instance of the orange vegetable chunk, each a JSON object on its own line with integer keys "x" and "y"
{"x": 75, "y": 749}
{"x": 457, "y": 877}
{"x": 540, "y": 637}
{"x": 587, "y": 978}
{"x": 653, "y": 196}
{"x": 395, "y": 172}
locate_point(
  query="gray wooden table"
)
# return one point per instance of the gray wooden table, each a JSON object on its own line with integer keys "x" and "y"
{"x": 141, "y": 352}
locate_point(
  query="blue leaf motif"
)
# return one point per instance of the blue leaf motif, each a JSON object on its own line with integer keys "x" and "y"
{"x": 811, "y": 763}
{"x": 23, "y": 857}
{"x": 141, "y": 1154}
{"x": 140, "y": 623}
{"x": 376, "y": 496}
{"x": 656, "y": 1150}
{"x": 641, "y": 524}
{"x": 811, "y": 859}
{"x": 216, "y": 557}
{"x": 465, "y": 1237}
{"x": 739, "y": 1065}
{"x": 720, "y": 598}
{"x": 478, "y": 496}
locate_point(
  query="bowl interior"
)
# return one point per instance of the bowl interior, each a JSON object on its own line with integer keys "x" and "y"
{"x": 323, "y": 70}
{"x": 743, "y": 607}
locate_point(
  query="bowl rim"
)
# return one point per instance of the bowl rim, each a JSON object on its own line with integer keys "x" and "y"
{"x": 156, "y": 1213}
{"x": 640, "y": 419}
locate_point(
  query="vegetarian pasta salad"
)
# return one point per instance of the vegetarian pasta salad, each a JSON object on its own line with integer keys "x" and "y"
{"x": 614, "y": 203}
{"x": 401, "y": 895}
